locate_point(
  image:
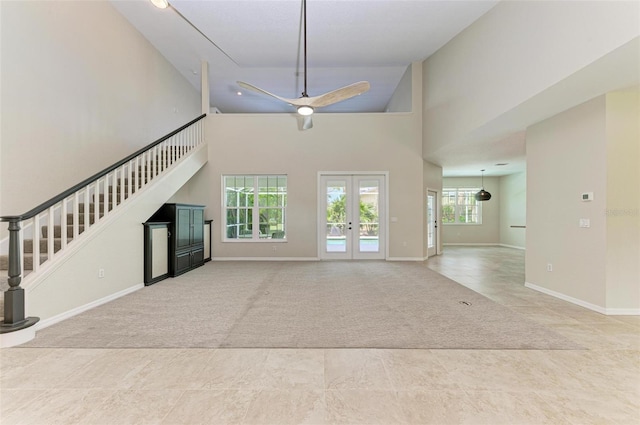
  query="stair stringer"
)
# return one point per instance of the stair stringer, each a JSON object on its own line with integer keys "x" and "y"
{"x": 70, "y": 284}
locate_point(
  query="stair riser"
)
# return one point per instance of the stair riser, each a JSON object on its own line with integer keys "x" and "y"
{"x": 57, "y": 244}
{"x": 57, "y": 231}
{"x": 92, "y": 208}
{"x": 92, "y": 218}
{"x": 27, "y": 260}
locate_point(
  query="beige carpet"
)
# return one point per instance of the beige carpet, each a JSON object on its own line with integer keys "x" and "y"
{"x": 362, "y": 304}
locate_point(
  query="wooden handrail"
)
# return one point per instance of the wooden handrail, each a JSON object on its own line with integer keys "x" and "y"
{"x": 31, "y": 213}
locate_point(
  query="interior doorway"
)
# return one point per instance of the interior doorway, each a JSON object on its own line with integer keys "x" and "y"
{"x": 432, "y": 223}
{"x": 352, "y": 211}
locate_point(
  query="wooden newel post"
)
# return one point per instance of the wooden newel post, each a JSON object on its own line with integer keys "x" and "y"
{"x": 14, "y": 305}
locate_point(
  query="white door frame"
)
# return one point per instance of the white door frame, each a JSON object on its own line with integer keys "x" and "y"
{"x": 438, "y": 212}
{"x": 384, "y": 207}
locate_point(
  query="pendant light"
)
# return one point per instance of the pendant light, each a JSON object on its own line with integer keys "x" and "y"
{"x": 483, "y": 195}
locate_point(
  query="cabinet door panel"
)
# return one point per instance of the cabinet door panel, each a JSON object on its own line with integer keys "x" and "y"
{"x": 198, "y": 226}
{"x": 197, "y": 257}
{"x": 183, "y": 228}
{"x": 183, "y": 262}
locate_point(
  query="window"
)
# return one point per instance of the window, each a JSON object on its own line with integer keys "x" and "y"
{"x": 241, "y": 212}
{"x": 459, "y": 206}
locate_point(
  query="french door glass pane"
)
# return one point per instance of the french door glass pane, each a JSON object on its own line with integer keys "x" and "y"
{"x": 336, "y": 216}
{"x": 369, "y": 238}
{"x": 430, "y": 221}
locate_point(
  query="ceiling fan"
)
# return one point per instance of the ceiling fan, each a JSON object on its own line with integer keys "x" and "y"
{"x": 305, "y": 104}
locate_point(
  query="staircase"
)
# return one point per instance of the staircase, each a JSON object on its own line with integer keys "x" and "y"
{"x": 29, "y": 255}
{"x": 46, "y": 231}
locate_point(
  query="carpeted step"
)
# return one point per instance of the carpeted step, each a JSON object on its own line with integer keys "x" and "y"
{"x": 125, "y": 182}
{"x": 57, "y": 231}
{"x": 57, "y": 244}
{"x": 111, "y": 198}
{"x": 27, "y": 260}
{"x": 92, "y": 218}
{"x": 92, "y": 208}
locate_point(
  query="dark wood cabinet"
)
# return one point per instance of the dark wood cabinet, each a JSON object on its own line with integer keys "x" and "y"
{"x": 186, "y": 235}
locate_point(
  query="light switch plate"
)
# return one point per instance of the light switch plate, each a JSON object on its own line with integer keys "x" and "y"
{"x": 587, "y": 196}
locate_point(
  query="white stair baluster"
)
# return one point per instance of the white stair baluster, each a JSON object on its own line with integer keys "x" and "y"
{"x": 96, "y": 202}
{"x": 87, "y": 199}
{"x": 50, "y": 234}
{"x": 64, "y": 211}
{"x": 155, "y": 161}
{"x": 76, "y": 218}
{"x": 129, "y": 181}
{"x": 35, "y": 240}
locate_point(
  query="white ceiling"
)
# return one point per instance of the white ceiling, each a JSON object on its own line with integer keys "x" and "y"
{"x": 260, "y": 42}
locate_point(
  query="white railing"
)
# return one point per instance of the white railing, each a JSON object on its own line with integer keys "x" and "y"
{"x": 61, "y": 221}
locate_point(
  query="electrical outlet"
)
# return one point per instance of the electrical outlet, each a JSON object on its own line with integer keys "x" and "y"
{"x": 549, "y": 267}
{"x": 100, "y": 273}
{"x": 273, "y": 247}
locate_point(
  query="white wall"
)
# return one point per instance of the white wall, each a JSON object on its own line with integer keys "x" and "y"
{"x": 566, "y": 156}
{"x": 623, "y": 200}
{"x": 81, "y": 89}
{"x": 514, "y": 52}
{"x": 513, "y": 209}
{"x": 486, "y": 233}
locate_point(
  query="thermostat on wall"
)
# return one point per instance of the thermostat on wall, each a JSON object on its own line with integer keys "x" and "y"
{"x": 587, "y": 196}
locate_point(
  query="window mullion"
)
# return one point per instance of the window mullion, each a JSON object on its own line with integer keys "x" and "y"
{"x": 255, "y": 211}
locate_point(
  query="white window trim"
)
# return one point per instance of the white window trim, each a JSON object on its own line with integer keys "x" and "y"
{"x": 255, "y": 235}
{"x": 456, "y": 223}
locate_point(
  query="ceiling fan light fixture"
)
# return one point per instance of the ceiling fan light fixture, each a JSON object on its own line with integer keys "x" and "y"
{"x": 160, "y": 4}
{"x": 305, "y": 110}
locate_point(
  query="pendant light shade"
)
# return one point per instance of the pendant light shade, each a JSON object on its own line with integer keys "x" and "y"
{"x": 483, "y": 195}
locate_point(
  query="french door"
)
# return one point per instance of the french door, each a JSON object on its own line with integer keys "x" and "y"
{"x": 352, "y": 217}
{"x": 432, "y": 223}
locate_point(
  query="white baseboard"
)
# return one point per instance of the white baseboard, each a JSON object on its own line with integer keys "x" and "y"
{"x": 405, "y": 259}
{"x": 623, "y": 312}
{"x": 265, "y": 259}
{"x": 581, "y": 303}
{"x": 484, "y": 244}
{"x": 470, "y": 244}
{"x": 75, "y": 311}
{"x": 512, "y": 246}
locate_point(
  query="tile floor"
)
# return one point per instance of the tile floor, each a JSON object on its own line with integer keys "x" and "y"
{"x": 599, "y": 385}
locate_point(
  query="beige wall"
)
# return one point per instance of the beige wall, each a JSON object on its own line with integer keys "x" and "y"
{"x": 514, "y": 52}
{"x": 486, "y": 233}
{"x": 402, "y": 99}
{"x": 81, "y": 89}
{"x": 623, "y": 200}
{"x": 513, "y": 209}
{"x": 272, "y": 144}
{"x": 566, "y": 156}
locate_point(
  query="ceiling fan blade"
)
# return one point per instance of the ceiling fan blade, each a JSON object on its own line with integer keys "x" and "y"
{"x": 307, "y": 122}
{"x": 338, "y": 95}
{"x": 259, "y": 90}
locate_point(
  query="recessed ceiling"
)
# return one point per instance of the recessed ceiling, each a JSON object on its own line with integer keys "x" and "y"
{"x": 260, "y": 42}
